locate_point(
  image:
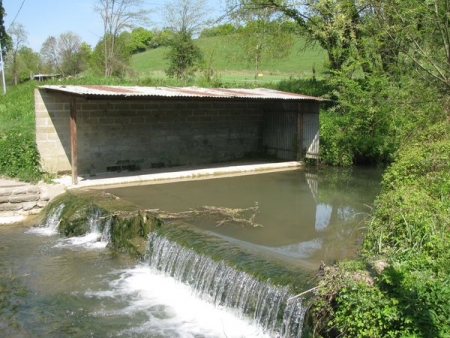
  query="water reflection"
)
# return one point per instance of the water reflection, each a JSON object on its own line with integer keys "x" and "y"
{"x": 306, "y": 217}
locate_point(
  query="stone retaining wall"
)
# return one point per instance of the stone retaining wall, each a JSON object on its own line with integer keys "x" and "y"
{"x": 22, "y": 200}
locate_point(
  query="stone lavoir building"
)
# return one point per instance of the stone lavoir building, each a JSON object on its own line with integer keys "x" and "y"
{"x": 85, "y": 130}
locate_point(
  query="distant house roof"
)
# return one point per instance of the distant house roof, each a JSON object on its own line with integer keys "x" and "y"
{"x": 42, "y": 77}
{"x": 108, "y": 92}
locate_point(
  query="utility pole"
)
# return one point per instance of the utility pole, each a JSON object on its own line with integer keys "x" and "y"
{"x": 2, "y": 65}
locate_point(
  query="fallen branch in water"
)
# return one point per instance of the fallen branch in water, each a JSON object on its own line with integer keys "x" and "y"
{"x": 224, "y": 215}
{"x": 302, "y": 293}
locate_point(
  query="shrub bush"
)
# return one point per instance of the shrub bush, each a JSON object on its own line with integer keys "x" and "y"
{"x": 19, "y": 157}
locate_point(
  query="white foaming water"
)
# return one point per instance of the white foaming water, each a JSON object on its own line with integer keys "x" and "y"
{"x": 50, "y": 227}
{"x": 223, "y": 285}
{"x": 94, "y": 239}
{"x": 170, "y": 308}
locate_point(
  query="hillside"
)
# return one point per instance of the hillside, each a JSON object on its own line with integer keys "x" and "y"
{"x": 225, "y": 58}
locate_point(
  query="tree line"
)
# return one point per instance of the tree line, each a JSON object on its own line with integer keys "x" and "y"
{"x": 363, "y": 35}
{"x": 262, "y": 34}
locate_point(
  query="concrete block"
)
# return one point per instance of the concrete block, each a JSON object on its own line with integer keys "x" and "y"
{"x": 23, "y": 198}
{"x": 121, "y": 106}
{"x": 28, "y": 205}
{"x": 40, "y": 109}
{"x": 152, "y": 105}
{"x": 4, "y": 199}
{"x": 138, "y": 106}
{"x": 106, "y": 120}
{"x": 45, "y": 146}
{"x": 50, "y": 129}
{"x": 44, "y": 196}
{"x": 5, "y": 191}
{"x": 20, "y": 190}
{"x": 41, "y": 203}
{"x": 56, "y": 106}
{"x": 140, "y": 120}
{"x": 41, "y": 137}
{"x": 85, "y": 106}
{"x": 10, "y": 207}
{"x": 33, "y": 190}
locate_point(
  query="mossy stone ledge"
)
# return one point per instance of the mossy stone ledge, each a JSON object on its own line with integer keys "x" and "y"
{"x": 129, "y": 226}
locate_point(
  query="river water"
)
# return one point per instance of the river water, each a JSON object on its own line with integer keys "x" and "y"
{"x": 301, "y": 218}
{"x": 58, "y": 287}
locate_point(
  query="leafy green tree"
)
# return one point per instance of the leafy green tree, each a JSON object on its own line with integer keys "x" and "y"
{"x": 49, "y": 55}
{"x": 334, "y": 24}
{"x": 69, "y": 47}
{"x": 117, "y": 16}
{"x": 119, "y": 65}
{"x": 185, "y": 18}
{"x": 19, "y": 38}
{"x": 262, "y": 32}
{"x": 66, "y": 54}
{"x": 263, "y": 39}
{"x": 139, "y": 40}
{"x": 84, "y": 56}
{"x": 161, "y": 37}
{"x": 184, "y": 56}
{"x": 30, "y": 62}
{"x": 420, "y": 31}
{"x": 220, "y": 30}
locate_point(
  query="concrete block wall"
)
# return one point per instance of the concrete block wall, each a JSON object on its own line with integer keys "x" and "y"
{"x": 52, "y": 113}
{"x": 149, "y": 133}
{"x": 165, "y": 133}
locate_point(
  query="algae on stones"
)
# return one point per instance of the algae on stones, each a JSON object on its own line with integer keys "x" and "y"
{"x": 129, "y": 227}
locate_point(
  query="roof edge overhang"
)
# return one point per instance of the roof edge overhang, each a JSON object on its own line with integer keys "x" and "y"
{"x": 88, "y": 92}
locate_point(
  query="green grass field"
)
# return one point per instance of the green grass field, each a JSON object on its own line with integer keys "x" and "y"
{"x": 225, "y": 58}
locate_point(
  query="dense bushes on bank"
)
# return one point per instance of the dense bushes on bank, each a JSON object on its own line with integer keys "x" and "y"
{"x": 401, "y": 286}
{"x": 19, "y": 157}
{"x": 372, "y": 116}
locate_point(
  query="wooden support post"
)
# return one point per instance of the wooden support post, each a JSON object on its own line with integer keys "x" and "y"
{"x": 300, "y": 154}
{"x": 73, "y": 140}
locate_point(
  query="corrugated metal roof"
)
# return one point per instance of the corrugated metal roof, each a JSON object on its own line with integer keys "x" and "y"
{"x": 97, "y": 91}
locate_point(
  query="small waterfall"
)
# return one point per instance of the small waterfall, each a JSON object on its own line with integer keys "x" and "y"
{"x": 50, "y": 225}
{"x": 267, "y": 305}
{"x": 100, "y": 226}
{"x": 106, "y": 232}
{"x": 98, "y": 233}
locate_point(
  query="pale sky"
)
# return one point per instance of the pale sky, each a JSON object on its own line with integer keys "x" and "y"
{"x": 44, "y": 18}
